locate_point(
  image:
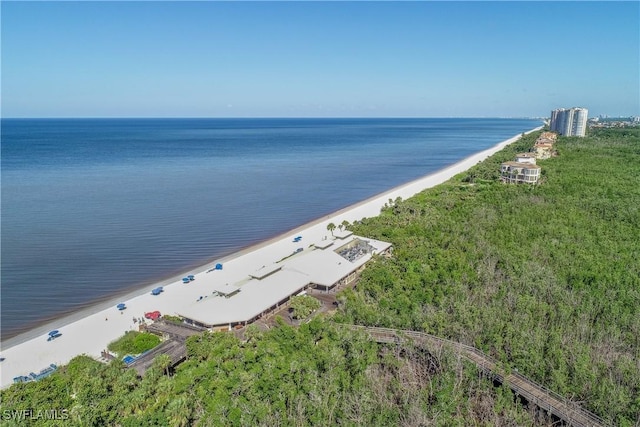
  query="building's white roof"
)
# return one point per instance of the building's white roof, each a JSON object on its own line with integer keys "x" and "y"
{"x": 529, "y": 158}
{"x": 265, "y": 271}
{"x": 254, "y": 297}
{"x": 323, "y": 267}
{"x": 342, "y": 234}
{"x": 323, "y": 244}
{"x": 225, "y": 289}
{"x": 520, "y": 165}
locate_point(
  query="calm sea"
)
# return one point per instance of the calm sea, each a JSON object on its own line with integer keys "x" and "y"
{"x": 96, "y": 207}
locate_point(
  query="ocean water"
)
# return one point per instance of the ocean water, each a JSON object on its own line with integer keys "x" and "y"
{"x": 96, "y": 207}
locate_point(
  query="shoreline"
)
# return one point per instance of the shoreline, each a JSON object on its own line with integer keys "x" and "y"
{"x": 84, "y": 318}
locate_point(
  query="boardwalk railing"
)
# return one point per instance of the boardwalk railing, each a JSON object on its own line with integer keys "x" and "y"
{"x": 563, "y": 408}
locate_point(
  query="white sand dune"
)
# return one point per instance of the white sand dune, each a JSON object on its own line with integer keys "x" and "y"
{"x": 90, "y": 333}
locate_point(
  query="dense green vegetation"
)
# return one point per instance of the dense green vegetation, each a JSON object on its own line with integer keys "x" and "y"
{"x": 303, "y": 305}
{"x": 172, "y": 319}
{"x": 317, "y": 374}
{"x": 544, "y": 278}
{"x": 133, "y": 342}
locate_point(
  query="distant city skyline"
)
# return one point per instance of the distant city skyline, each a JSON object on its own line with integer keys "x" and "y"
{"x": 319, "y": 59}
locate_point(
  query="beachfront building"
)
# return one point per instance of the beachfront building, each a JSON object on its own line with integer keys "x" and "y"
{"x": 569, "y": 122}
{"x": 520, "y": 173}
{"x": 543, "y": 150}
{"x": 325, "y": 265}
{"x": 543, "y": 147}
{"x": 548, "y": 137}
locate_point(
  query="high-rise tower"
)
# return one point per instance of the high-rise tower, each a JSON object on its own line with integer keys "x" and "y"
{"x": 569, "y": 122}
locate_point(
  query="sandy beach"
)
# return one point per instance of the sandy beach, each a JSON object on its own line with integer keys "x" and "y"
{"x": 89, "y": 331}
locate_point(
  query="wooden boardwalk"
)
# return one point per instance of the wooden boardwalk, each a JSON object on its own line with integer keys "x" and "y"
{"x": 174, "y": 346}
{"x": 177, "y": 352}
{"x": 566, "y": 410}
{"x": 174, "y": 331}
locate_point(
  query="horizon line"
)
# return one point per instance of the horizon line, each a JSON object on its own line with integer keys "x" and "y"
{"x": 268, "y": 117}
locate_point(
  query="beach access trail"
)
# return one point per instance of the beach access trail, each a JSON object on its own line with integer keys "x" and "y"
{"x": 90, "y": 334}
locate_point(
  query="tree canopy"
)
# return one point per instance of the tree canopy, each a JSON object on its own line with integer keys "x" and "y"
{"x": 544, "y": 278}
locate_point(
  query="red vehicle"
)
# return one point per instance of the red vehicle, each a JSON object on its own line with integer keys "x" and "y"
{"x": 152, "y": 315}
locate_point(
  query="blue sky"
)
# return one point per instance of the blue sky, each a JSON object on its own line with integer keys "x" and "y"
{"x": 319, "y": 59}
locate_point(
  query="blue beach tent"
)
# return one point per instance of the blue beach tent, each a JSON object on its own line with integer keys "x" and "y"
{"x": 157, "y": 291}
{"x": 121, "y": 306}
{"x": 185, "y": 280}
{"x": 191, "y": 277}
{"x": 218, "y": 266}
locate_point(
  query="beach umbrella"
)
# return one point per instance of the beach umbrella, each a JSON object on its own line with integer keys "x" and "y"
{"x": 53, "y": 333}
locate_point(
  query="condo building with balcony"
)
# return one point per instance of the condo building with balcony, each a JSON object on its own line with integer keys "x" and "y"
{"x": 543, "y": 148}
{"x": 521, "y": 171}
